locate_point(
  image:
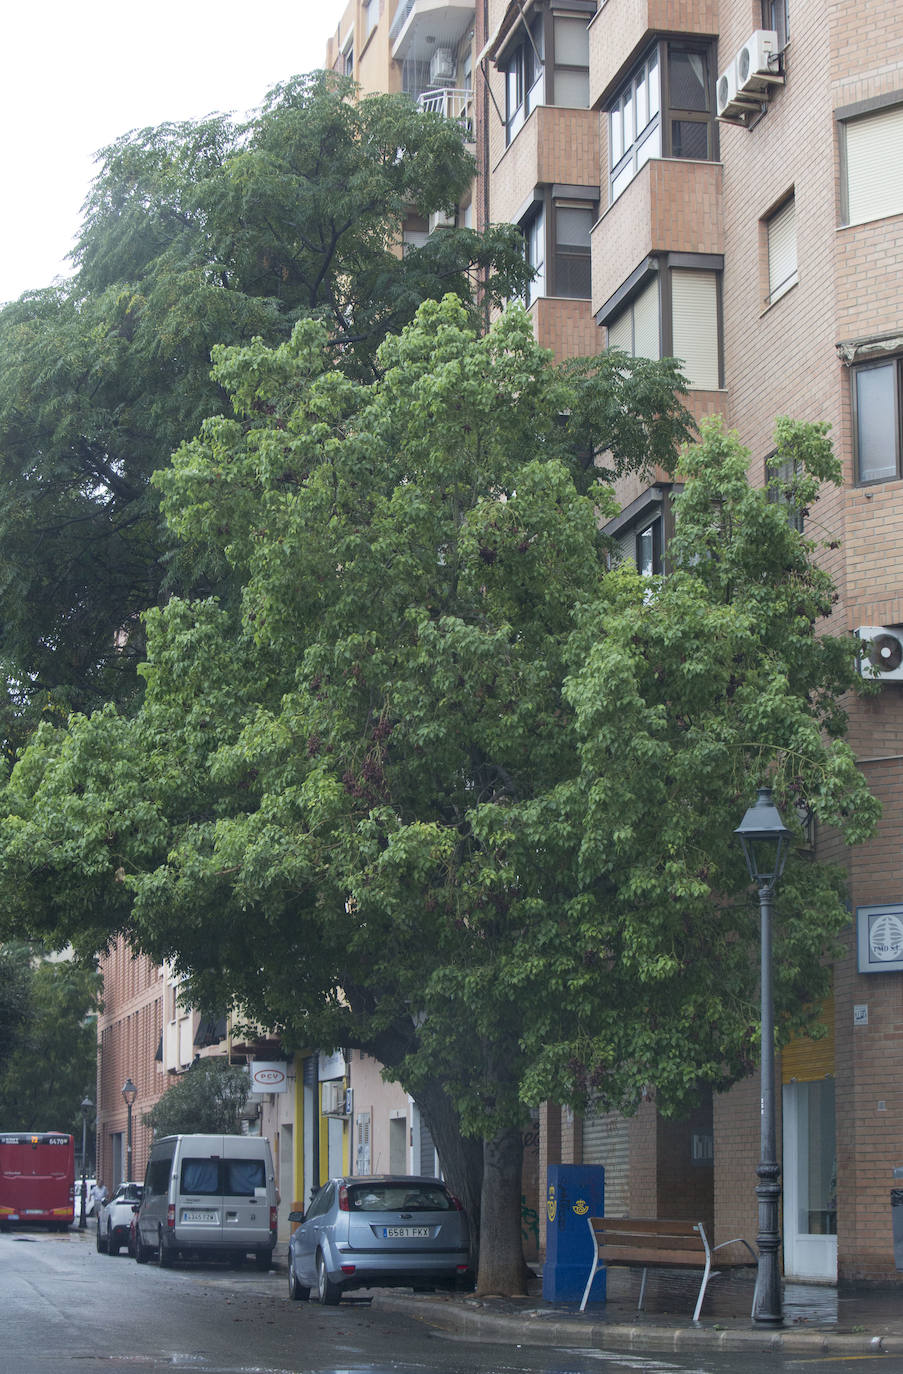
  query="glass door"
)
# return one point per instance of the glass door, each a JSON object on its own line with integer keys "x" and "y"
{"x": 810, "y": 1181}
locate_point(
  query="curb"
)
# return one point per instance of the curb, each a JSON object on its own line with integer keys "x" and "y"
{"x": 534, "y": 1327}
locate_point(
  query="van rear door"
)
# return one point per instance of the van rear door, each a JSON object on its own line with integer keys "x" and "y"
{"x": 247, "y": 1189}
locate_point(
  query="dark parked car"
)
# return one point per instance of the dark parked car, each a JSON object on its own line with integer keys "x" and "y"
{"x": 374, "y": 1232}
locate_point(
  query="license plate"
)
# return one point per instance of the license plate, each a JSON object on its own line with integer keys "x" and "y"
{"x": 200, "y": 1218}
{"x": 406, "y": 1232}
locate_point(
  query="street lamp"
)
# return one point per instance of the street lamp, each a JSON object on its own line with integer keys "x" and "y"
{"x": 87, "y": 1104}
{"x": 765, "y": 840}
{"x": 129, "y": 1093}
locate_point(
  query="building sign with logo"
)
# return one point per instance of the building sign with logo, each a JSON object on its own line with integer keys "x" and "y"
{"x": 268, "y": 1077}
{"x": 879, "y": 935}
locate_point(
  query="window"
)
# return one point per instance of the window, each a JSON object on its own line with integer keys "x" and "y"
{"x": 649, "y": 549}
{"x": 523, "y": 80}
{"x": 557, "y": 245}
{"x": 549, "y": 65}
{"x": 776, "y": 17}
{"x": 781, "y": 238}
{"x": 675, "y": 314}
{"x": 872, "y": 154}
{"x": 348, "y": 61}
{"x": 664, "y": 109}
{"x": 370, "y": 15}
{"x": 876, "y": 412}
{"x": 778, "y": 475}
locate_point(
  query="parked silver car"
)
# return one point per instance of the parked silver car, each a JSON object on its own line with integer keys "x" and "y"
{"x": 375, "y": 1232}
{"x": 115, "y": 1217}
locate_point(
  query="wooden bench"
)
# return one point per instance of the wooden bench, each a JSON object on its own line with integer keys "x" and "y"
{"x": 651, "y": 1243}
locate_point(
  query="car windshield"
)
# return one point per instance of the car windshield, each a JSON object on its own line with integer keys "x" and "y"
{"x": 399, "y": 1197}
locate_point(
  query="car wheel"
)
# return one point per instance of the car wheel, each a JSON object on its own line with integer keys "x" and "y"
{"x": 99, "y": 1240}
{"x": 296, "y": 1291}
{"x": 328, "y": 1293}
{"x": 112, "y": 1243}
{"x": 142, "y": 1255}
{"x": 164, "y": 1256}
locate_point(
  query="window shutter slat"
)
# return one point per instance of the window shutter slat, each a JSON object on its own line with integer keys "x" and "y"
{"x": 782, "y": 265}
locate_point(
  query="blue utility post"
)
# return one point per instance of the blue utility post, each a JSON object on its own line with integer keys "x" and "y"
{"x": 573, "y": 1193}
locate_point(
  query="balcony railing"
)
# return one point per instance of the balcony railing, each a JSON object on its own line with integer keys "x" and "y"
{"x": 451, "y": 104}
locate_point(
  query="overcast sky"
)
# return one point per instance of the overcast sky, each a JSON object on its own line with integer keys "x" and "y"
{"x": 75, "y": 76}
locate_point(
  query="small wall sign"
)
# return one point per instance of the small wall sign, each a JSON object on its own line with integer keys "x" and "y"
{"x": 879, "y": 938}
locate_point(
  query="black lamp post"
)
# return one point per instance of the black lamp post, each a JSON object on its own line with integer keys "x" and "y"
{"x": 765, "y": 840}
{"x": 129, "y": 1093}
{"x": 87, "y": 1104}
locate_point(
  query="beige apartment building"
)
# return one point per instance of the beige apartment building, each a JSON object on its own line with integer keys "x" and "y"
{"x": 722, "y": 180}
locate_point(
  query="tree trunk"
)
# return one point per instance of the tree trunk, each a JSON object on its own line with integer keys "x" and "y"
{"x": 461, "y": 1156}
{"x": 502, "y": 1268}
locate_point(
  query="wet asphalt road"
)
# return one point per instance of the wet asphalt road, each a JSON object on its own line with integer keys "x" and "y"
{"x": 68, "y": 1310}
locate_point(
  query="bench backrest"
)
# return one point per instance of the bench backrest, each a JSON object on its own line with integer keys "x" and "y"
{"x": 613, "y": 1234}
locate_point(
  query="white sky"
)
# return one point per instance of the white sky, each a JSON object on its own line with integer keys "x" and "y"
{"x": 75, "y": 76}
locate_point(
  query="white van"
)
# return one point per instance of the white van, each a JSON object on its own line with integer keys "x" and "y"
{"x": 208, "y": 1196}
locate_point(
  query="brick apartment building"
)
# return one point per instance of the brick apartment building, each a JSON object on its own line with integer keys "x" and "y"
{"x": 722, "y": 180}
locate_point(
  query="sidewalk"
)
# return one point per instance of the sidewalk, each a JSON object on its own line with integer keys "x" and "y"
{"x": 852, "y": 1319}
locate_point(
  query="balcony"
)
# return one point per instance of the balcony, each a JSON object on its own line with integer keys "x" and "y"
{"x": 672, "y": 206}
{"x": 451, "y": 104}
{"x": 555, "y": 146}
{"x": 422, "y": 26}
{"x": 622, "y": 28}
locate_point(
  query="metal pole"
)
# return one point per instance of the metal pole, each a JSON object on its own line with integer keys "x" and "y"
{"x": 82, "y": 1222}
{"x": 128, "y": 1148}
{"x": 768, "y": 1305}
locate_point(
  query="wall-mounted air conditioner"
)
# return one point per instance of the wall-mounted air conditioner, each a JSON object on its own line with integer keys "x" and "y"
{"x": 334, "y": 1102}
{"x": 757, "y": 62}
{"x": 726, "y": 92}
{"x": 442, "y": 67}
{"x": 882, "y": 654}
{"x": 442, "y": 219}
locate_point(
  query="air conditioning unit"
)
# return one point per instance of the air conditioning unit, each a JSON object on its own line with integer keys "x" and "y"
{"x": 334, "y": 1099}
{"x": 726, "y": 103}
{"x": 882, "y": 656}
{"x": 442, "y": 219}
{"x": 442, "y": 67}
{"x": 755, "y": 72}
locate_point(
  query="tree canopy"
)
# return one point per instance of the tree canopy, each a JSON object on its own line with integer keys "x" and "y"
{"x": 197, "y": 234}
{"x": 442, "y": 782}
{"x": 208, "y": 1099}
{"x": 49, "y": 1063}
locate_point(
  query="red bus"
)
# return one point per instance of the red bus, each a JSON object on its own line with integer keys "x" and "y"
{"x": 37, "y": 1176}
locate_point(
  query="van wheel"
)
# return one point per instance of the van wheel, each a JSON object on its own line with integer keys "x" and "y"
{"x": 112, "y": 1245}
{"x": 328, "y": 1293}
{"x": 164, "y": 1256}
{"x": 296, "y": 1291}
{"x": 142, "y": 1254}
{"x": 99, "y": 1240}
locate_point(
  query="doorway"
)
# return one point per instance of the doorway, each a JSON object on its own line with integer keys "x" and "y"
{"x": 810, "y": 1180}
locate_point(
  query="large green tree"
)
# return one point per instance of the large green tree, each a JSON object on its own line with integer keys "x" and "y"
{"x": 196, "y": 234}
{"x": 52, "y": 1061}
{"x": 440, "y": 783}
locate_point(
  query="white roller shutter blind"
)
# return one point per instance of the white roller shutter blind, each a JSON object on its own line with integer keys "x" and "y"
{"x": 782, "y": 250}
{"x": 874, "y": 158}
{"x": 646, "y": 339}
{"x": 620, "y": 331}
{"x": 694, "y": 307}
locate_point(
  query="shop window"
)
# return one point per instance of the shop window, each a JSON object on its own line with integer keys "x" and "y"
{"x": 780, "y": 231}
{"x": 872, "y": 159}
{"x": 664, "y": 109}
{"x": 876, "y": 412}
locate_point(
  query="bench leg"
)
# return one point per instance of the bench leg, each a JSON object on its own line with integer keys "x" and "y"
{"x": 639, "y": 1306}
{"x": 702, "y": 1288}
{"x": 589, "y": 1284}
